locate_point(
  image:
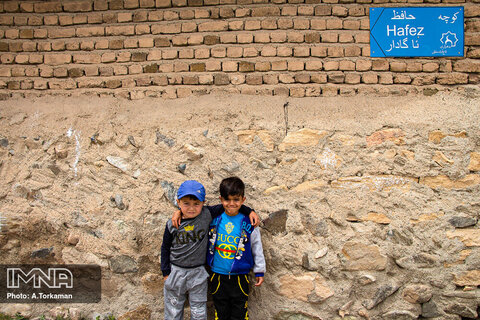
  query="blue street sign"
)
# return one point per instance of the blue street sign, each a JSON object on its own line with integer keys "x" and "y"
{"x": 416, "y": 32}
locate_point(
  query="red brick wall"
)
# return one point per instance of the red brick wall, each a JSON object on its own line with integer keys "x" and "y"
{"x": 176, "y": 48}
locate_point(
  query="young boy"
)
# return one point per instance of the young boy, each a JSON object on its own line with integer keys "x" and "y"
{"x": 235, "y": 247}
{"x": 184, "y": 251}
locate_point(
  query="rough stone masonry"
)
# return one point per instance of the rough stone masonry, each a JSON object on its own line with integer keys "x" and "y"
{"x": 370, "y": 206}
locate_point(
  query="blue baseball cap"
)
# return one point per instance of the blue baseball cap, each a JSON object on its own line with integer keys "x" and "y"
{"x": 193, "y": 188}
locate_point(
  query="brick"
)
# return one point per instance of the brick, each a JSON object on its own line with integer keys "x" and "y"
{"x": 205, "y": 79}
{"x": 226, "y": 13}
{"x": 61, "y": 33}
{"x": 163, "y": 3}
{"x": 180, "y": 67}
{"x": 295, "y": 37}
{"x": 268, "y": 51}
{"x": 385, "y": 78}
{"x": 130, "y": 4}
{"x": 351, "y": 25}
{"x": 169, "y": 54}
{"x": 363, "y": 65}
{"x": 211, "y": 40}
{"x": 254, "y": 79}
{"x": 452, "y": 78}
{"x": 380, "y": 65}
{"x": 12, "y": 34}
{"x": 202, "y": 14}
{"x": 279, "y": 65}
{"x": 335, "y": 52}
{"x": 20, "y": 20}
{"x": 46, "y": 7}
{"x": 155, "y": 15}
{"x": 90, "y": 32}
{"x": 245, "y": 38}
{"x": 286, "y": 78}
{"x": 6, "y": 20}
{"x": 171, "y": 28}
{"x": 469, "y": 65}
{"x": 331, "y": 65}
{"x": 252, "y": 25}
{"x": 108, "y": 57}
{"x": 362, "y": 38}
{"x": 21, "y": 59}
{"x": 295, "y": 65}
{"x": 334, "y": 24}
{"x": 214, "y": 65}
{"x": 370, "y": 78}
{"x": 323, "y": 10}
{"x": 135, "y": 69}
{"x": 213, "y": 26}
{"x": 75, "y": 72}
{"x": 186, "y": 53}
{"x": 356, "y": 11}
{"x": 162, "y": 42}
{"x": 147, "y": 3}
{"x": 203, "y": 53}
{"x": 318, "y": 24}
{"x": 130, "y": 43}
{"x": 301, "y": 24}
{"x": 187, "y": 14}
{"x": 301, "y": 52}
{"x": 270, "y": 79}
{"x": 312, "y": 37}
{"x": 398, "y": 66}
{"x": 265, "y": 11}
{"x": 29, "y": 46}
{"x": 347, "y": 65}
{"x": 289, "y": 11}
{"x": 100, "y": 5}
{"x": 123, "y": 56}
{"x": 262, "y": 37}
{"x": 35, "y": 21}
{"x": 234, "y": 52}
{"x": 94, "y": 18}
{"x": 170, "y": 15}
{"x": 120, "y": 30}
{"x": 60, "y": 72}
{"x": 339, "y": 11}
{"x": 26, "y": 7}
{"x": 115, "y": 44}
{"x": 245, "y": 66}
{"x": 352, "y": 51}
{"x": 263, "y": 66}
{"x": 15, "y": 47}
{"x": 124, "y": 17}
{"x": 109, "y": 18}
{"x": 285, "y": 23}
{"x": 88, "y": 58}
{"x": 198, "y": 67}
{"x": 330, "y": 37}
{"x": 44, "y": 46}
{"x": 142, "y": 29}
{"x": 402, "y": 79}
{"x": 77, "y": 6}
{"x": 87, "y": 45}
{"x": 284, "y": 51}
{"x": 269, "y": 24}
{"x": 313, "y": 65}
{"x": 65, "y": 20}
{"x": 236, "y": 25}
{"x": 57, "y": 59}
{"x": 26, "y": 34}
{"x": 219, "y": 52}
{"x": 278, "y": 37}
{"x": 302, "y": 78}
{"x": 306, "y": 11}
{"x": 318, "y": 52}
{"x": 413, "y": 66}
{"x": 352, "y": 78}
{"x": 220, "y": 79}
{"x": 319, "y": 78}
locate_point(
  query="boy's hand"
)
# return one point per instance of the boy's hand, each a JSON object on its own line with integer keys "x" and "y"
{"x": 259, "y": 281}
{"x": 165, "y": 278}
{"x": 254, "y": 219}
{"x": 177, "y": 218}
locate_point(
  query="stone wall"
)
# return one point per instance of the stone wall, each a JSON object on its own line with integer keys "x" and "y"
{"x": 370, "y": 206}
{"x": 176, "y": 48}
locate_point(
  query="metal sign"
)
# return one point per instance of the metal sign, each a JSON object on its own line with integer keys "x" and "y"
{"x": 416, "y": 32}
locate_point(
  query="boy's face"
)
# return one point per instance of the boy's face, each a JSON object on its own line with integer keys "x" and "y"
{"x": 190, "y": 207}
{"x": 232, "y": 204}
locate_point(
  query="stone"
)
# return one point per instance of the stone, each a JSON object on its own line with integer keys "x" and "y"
{"x": 359, "y": 256}
{"x": 18, "y": 311}
{"x": 321, "y": 253}
{"x": 441, "y": 159}
{"x": 462, "y": 222}
{"x": 42, "y": 253}
{"x": 313, "y": 185}
{"x": 275, "y": 189}
{"x": 152, "y": 283}
{"x": 442, "y": 181}
{"x": 430, "y": 310}
{"x": 294, "y": 315}
{"x": 4, "y": 142}
{"x": 73, "y": 239}
{"x": 421, "y": 260}
{"x": 193, "y": 153}
{"x": 399, "y": 315}
{"x": 381, "y": 294}
{"x": 143, "y": 312}
{"x": 417, "y": 293}
{"x": 467, "y": 278}
{"x": 366, "y": 279}
{"x": 397, "y": 136}
{"x": 379, "y": 218}
{"x": 119, "y": 163}
{"x": 118, "y": 199}
{"x": 248, "y": 136}
{"x": 474, "y": 164}
{"x": 437, "y": 136}
{"x": 276, "y": 222}
{"x": 328, "y": 160}
{"x": 301, "y": 138}
{"x": 375, "y": 183}
{"x": 470, "y": 237}
{"x": 232, "y": 167}
{"x": 170, "y": 191}
{"x": 182, "y": 167}
{"x": 309, "y": 287}
{"x": 462, "y": 310}
{"x": 123, "y": 264}
{"x": 160, "y": 137}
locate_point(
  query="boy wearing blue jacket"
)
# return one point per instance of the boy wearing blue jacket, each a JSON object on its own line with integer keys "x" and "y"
{"x": 235, "y": 248}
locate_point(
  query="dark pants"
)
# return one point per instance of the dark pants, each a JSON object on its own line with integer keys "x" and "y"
{"x": 230, "y": 296}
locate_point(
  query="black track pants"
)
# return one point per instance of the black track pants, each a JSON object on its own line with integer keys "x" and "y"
{"x": 230, "y": 296}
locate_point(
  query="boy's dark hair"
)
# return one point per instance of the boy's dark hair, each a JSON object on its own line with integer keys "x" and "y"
{"x": 232, "y": 186}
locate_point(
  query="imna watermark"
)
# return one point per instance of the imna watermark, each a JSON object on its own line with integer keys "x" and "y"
{"x": 50, "y": 283}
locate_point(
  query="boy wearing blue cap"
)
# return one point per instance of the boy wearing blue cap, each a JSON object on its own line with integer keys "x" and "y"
{"x": 184, "y": 250}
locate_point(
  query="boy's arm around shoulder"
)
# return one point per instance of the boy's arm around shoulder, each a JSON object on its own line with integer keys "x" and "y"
{"x": 259, "y": 265}
{"x": 165, "y": 252}
{"x": 218, "y": 209}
